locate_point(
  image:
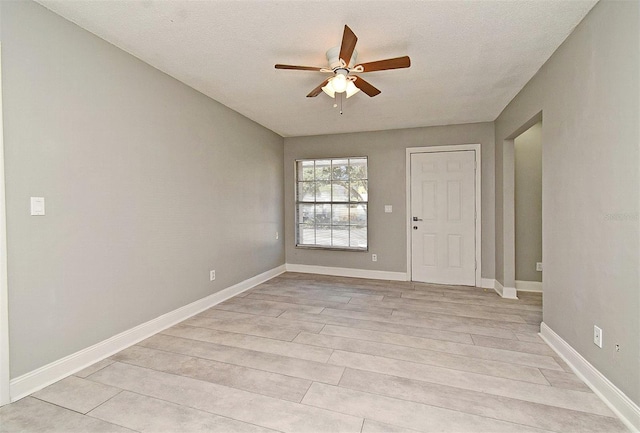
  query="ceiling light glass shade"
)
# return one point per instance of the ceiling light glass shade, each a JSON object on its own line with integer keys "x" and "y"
{"x": 339, "y": 83}
{"x": 351, "y": 89}
{"x": 329, "y": 90}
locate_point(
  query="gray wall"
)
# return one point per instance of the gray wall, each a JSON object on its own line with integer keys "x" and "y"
{"x": 148, "y": 185}
{"x": 588, "y": 95}
{"x": 387, "y": 185}
{"x": 528, "y": 203}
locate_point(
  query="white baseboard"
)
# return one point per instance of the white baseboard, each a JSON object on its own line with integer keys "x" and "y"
{"x": 488, "y": 283}
{"x": 37, "y": 379}
{"x": 528, "y": 286}
{"x": 347, "y": 272}
{"x": 505, "y": 292}
{"x": 618, "y": 402}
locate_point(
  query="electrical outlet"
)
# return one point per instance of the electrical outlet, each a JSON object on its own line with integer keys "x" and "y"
{"x": 374, "y": 257}
{"x": 212, "y": 275}
{"x": 597, "y": 336}
{"x": 539, "y": 266}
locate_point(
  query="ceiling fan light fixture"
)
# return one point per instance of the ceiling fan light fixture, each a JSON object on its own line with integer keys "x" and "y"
{"x": 339, "y": 82}
{"x": 329, "y": 90}
{"x": 351, "y": 89}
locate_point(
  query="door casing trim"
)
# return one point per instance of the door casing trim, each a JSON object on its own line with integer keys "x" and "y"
{"x": 478, "y": 193}
{"x": 4, "y": 288}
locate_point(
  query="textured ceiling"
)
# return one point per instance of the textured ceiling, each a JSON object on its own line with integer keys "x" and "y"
{"x": 469, "y": 58}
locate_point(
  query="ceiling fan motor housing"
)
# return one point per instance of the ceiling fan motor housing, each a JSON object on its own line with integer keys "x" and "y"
{"x": 334, "y": 60}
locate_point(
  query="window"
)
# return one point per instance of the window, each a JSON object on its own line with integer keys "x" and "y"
{"x": 331, "y": 203}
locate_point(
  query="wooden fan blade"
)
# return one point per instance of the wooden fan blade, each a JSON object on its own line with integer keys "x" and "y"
{"x": 383, "y": 65}
{"x": 366, "y": 87}
{"x": 349, "y": 40}
{"x": 317, "y": 90}
{"x": 299, "y": 68}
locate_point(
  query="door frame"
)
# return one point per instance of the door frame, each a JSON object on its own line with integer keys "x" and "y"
{"x": 5, "y": 394}
{"x": 478, "y": 193}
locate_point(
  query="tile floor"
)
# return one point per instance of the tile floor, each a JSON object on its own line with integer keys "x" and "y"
{"x": 308, "y": 353}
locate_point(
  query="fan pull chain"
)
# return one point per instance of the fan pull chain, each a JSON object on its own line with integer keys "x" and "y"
{"x": 335, "y": 105}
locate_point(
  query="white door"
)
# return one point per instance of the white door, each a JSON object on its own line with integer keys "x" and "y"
{"x": 443, "y": 214}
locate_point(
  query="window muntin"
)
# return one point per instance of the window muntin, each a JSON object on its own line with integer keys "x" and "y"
{"x": 331, "y": 203}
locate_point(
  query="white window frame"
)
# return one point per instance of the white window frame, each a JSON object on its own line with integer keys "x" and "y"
{"x": 331, "y": 202}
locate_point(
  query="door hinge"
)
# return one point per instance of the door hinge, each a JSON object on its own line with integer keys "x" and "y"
{"x": 476, "y": 265}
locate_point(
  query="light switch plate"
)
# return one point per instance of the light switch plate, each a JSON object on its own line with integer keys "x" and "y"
{"x": 37, "y": 206}
{"x": 597, "y": 336}
{"x": 388, "y": 208}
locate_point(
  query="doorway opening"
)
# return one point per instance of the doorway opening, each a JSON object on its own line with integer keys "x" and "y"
{"x": 528, "y": 209}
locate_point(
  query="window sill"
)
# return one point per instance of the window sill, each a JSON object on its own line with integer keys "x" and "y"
{"x": 351, "y": 249}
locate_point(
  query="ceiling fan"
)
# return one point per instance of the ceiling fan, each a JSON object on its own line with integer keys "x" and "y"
{"x": 342, "y": 64}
